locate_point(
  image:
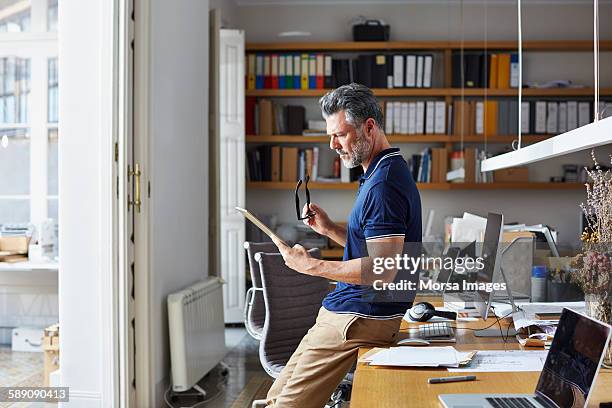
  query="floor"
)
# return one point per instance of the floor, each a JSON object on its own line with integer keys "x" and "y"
{"x": 21, "y": 369}
{"x": 243, "y": 366}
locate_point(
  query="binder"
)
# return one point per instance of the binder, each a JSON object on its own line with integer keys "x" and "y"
{"x": 419, "y": 71}
{"x": 525, "y": 119}
{"x": 282, "y": 65}
{"x": 274, "y": 71}
{"x": 412, "y": 118}
{"x": 502, "y": 117}
{"x": 312, "y": 71}
{"x": 249, "y": 115}
{"x": 389, "y": 59}
{"x": 266, "y": 117}
{"x": 513, "y": 108}
{"x": 379, "y": 71}
{"x": 430, "y": 117}
{"x": 469, "y": 164}
{"x": 304, "y": 65}
{"x": 456, "y": 62}
{"x": 428, "y": 66}
{"x": 552, "y": 117}
{"x": 289, "y": 71}
{"x": 296, "y": 117}
{"x": 572, "y": 115}
{"x": 420, "y": 118}
{"x": 479, "y": 118}
{"x": 265, "y": 155}
{"x": 490, "y": 116}
{"x": 320, "y": 72}
{"x": 398, "y": 71}
{"x": 514, "y": 70}
{"x": 365, "y": 66}
{"x": 493, "y": 71}
{"x": 397, "y": 117}
{"x": 251, "y": 71}
{"x": 562, "y": 125}
{"x": 485, "y": 63}
{"x": 267, "y": 72}
{"x": 440, "y": 118}
{"x": 584, "y": 113}
{"x": 503, "y": 71}
{"x": 404, "y": 118}
{"x": 289, "y": 160}
{"x": 389, "y": 118}
{"x": 328, "y": 82}
{"x": 297, "y": 65}
{"x": 540, "y": 117}
{"x": 315, "y": 164}
{"x": 259, "y": 71}
{"x": 472, "y": 70}
{"x": 449, "y": 119}
{"x": 276, "y": 163}
{"x": 411, "y": 71}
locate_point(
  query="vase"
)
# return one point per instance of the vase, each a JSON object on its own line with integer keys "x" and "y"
{"x": 599, "y": 307}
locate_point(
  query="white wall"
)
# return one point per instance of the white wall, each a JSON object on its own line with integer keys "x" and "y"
{"x": 85, "y": 191}
{"x": 437, "y": 21}
{"x": 179, "y": 154}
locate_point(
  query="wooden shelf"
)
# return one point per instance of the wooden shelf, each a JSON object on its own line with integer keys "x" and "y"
{"x": 286, "y": 185}
{"x": 275, "y": 139}
{"x": 571, "y": 45}
{"x": 307, "y": 93}
{"x": 333, "y": 253}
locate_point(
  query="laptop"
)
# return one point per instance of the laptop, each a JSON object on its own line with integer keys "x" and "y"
{"x": 568, "y": 375}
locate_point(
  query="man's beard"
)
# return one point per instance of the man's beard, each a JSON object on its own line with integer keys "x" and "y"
{"x": 361, "y": 151}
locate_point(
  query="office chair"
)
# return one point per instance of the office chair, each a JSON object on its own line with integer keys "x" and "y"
{"x": 255, "y": 309}
{"x": 292, "y": 303}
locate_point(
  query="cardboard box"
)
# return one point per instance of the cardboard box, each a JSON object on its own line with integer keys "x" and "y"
{"x": 14, "y": 245}
{"x": 51, "y": 349}
{"x": 511, "y": 175}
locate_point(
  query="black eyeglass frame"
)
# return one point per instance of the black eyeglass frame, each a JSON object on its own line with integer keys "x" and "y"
{"x": 298, "y": 208}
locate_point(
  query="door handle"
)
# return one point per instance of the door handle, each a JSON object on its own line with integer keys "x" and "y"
{"x": 135, "y": 174}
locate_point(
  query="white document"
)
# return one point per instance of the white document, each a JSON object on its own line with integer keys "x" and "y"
{"x": 420, "y": 118}
{"x": 397, "y": 117}
{"x": 430, "y": 115}
{"x": 572, "y": 115}
{"x": 440, "y": 121}
{"x": 404, "y": 118}
{"x": 416, "y": 357}
{"x": 410, "y": 71}
{"x": 562, "y": 125}
{"x": 389, "y": 118}
{"x": 398, "y": 71}
{"x": 526, "y": 316}
{"x": 490, "y": 361}
{"x": 419, "y": 72}
{"x": 525, "y": 118}
{"x": 412, "y": 112}
{"x": 552, "y": 118}
{"x": 428, "y": 63}
{"x": 540, "y": 117}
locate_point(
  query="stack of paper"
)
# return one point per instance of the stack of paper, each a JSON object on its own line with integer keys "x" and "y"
{"x": 505, "y": 361}
{"x": 419, "y": 357}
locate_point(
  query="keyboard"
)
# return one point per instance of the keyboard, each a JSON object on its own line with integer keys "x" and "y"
{"x": 516, "y": 402}
{"x": 436, "y": 330}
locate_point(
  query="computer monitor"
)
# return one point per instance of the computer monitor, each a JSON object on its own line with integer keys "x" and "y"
{"x": 491, "y": 260}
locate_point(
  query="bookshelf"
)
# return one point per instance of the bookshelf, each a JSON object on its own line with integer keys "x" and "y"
{"x": 398, "y": 139}
{"x": 286, "y": 185}
{"x": 446, "y": 92}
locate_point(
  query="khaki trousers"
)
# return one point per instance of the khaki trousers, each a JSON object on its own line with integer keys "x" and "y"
{"x": 325, "y": 355}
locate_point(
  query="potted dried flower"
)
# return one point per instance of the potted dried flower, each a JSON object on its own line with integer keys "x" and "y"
{"x": 594, "y": 264}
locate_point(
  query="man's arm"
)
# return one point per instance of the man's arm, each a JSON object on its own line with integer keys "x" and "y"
{"x": 356, "y": 271}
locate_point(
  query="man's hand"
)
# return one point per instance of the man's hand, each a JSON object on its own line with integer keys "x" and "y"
{"x": 297, "y": 258}
{"x": 320, "y": 222}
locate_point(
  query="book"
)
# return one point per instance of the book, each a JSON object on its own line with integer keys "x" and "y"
{"x": 274, "y": 71}
{"x": 328, "y": 81}
{"x": 289, "y": 160}
{"x": 259, "y": 71}
{"x": 572, "y": 115}
{"x": 490, "y": 118}
{"x": 540, "y": 117}
{"x": 282, "y": 66}
{"x": 427, "y": 70}
{"x": 479, "y": 118}
{"x": 493, "y": 61}
{"x": 562, "y": 123}
{"x": 266, "y": 117}
{"x": 429, "y": 117}
{"x": 525, "y": 119}
{"x": 312, "y": 71}
{"x": 249, "y": 115}
{"x": 320, "y": 71}
{"x": 296, "y": 116}
{"x": 503, "y": 71}
{"x": 412, "y": 118}
{"x": 472, "y": 64}
{"x": 389, "y": 118}
{"x": 267, "y": 72}
{"x": 297, "y": 71}
{"x": 440, "y": 117}
{"x": 289, "y": 72}
{"x": 403, "y": 118}
{"x": 584, "y": 113}
{"x": 469, "y": 163}
{"x": 420, "y": 118}
{"x": 514, "y": 70}
{"x": 304, "y": 67}
{"x": 397, "y": 117}
{"x": 379, "y": 71}
{"x": 419, "y": 72}
{"x": 275, "y": 163}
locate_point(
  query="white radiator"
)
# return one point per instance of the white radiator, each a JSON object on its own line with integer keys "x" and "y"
{"x": 197, "y": 332}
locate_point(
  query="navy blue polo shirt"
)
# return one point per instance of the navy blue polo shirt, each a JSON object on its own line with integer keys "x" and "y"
{"x": 387, "y": 204}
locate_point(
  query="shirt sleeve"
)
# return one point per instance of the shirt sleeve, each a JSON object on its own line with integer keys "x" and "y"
{"x": 385, "y": 212}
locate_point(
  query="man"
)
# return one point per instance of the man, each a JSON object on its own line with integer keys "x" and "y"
{"x": 386, "y": 214}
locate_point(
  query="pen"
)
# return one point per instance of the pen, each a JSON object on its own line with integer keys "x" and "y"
{"x": 451, "y": 379}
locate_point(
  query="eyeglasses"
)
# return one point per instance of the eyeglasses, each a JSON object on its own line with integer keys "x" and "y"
{"x": 298, "y": 208}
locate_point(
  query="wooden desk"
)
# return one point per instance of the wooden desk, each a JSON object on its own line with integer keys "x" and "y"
{"x": 395, "y": 387}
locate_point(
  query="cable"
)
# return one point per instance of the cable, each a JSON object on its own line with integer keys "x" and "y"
{"x": 498, "y": 321}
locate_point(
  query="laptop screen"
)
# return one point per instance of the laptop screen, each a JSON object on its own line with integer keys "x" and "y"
{"x": 490, "y": 248}
{"x": 573, "y": 360}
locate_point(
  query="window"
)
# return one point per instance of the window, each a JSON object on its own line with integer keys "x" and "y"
{"x": 29, "y": 111}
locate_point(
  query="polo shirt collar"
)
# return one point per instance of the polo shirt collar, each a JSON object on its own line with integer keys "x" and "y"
{"x": 393, "y": 151}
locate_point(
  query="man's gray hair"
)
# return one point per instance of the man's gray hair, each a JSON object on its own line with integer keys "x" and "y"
{"x": 357, "y": 101}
